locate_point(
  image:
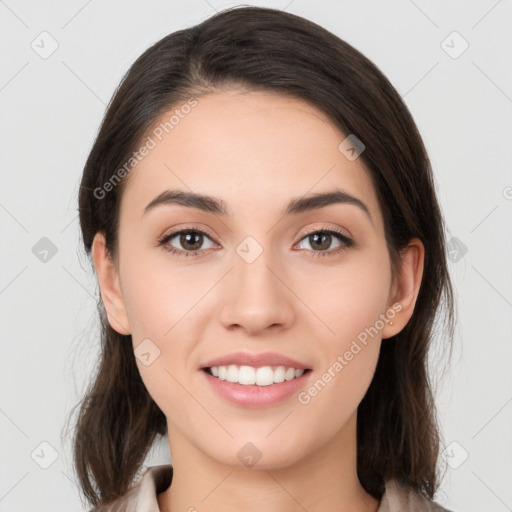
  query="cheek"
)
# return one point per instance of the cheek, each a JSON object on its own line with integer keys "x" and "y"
{"x": 349, "y": 303}
{"x": 159, "y": 296}
{"x": 350, "y": 306}
{"x": 348, "y": 298}
{"x": 164, "y": 308}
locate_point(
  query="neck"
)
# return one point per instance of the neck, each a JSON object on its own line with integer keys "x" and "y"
{"x": 324, "y": 480}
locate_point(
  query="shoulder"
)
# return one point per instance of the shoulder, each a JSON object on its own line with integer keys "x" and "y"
{"x": 142, "y": 496}
{"x": 397, "y": 497}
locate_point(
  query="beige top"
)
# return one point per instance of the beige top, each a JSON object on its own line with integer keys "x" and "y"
{"x": 142, "y": 497}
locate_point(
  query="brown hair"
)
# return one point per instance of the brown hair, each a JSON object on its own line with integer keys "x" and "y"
{"x": 265, "y": 49}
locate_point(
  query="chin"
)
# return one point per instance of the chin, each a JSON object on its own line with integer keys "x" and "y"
{"x": 258, "y": 455}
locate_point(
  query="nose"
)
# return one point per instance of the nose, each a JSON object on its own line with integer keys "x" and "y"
{"x": 257, "y": 297}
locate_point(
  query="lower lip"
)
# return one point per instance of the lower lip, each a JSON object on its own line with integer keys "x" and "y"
{"x": 257, "y": 396}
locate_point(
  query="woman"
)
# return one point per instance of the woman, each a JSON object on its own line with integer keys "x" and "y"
{"x": 261, "y": 214}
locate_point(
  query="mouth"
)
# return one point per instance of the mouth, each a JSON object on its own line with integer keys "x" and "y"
{"x": 256, "y": 376}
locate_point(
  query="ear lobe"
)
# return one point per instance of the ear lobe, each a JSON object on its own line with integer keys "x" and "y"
{"x": 110, "y": 289}
{"x": 407, "y": 286}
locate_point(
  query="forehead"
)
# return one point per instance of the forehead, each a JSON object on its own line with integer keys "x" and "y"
{"x": 248, "y": 149}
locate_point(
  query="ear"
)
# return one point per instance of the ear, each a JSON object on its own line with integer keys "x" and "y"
{"x": 406, "y": 287}
{"x": 110, "y": 289}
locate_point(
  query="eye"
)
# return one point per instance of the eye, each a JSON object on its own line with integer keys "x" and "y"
{"x": 322, "y": 239}
{"x": 190, "y": 239}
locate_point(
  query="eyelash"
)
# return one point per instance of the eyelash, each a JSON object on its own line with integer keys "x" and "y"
{"x": 346, "y": 242}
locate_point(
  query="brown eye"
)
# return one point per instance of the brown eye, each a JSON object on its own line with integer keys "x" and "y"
{"x": 321, "y": 241}
{"x": 190, "y": 240}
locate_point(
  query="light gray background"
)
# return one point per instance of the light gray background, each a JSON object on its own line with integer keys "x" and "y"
{"x": 51, "y": 109}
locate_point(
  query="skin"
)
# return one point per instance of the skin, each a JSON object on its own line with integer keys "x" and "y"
{"x": 255, "y": 151}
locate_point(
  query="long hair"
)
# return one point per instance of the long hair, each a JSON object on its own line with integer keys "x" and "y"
{"x": 269, "y": 50}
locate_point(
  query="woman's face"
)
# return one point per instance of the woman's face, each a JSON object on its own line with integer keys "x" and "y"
{"x": 257, "y": 279}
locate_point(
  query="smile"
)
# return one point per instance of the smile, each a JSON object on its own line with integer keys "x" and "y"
{"x": 249, "y": 375}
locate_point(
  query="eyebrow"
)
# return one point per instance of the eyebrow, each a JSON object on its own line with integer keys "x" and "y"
{"x": 295, "y": 206}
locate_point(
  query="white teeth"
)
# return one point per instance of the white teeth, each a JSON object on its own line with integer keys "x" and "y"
{"x": 248, "y": 375}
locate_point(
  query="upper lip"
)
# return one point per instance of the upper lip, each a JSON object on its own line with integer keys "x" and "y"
{"x": 255, "y": 360}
